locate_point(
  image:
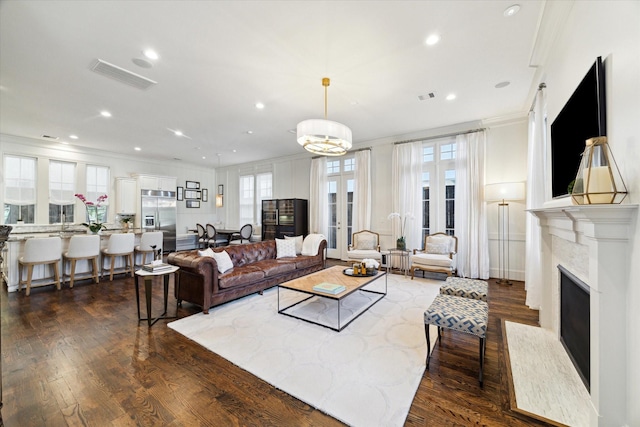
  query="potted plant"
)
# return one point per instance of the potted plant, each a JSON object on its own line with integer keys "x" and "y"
{"x": 125, "y": 221}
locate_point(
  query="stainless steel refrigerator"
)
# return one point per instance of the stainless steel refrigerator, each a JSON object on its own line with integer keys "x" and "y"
{"x": 159, "y": 214}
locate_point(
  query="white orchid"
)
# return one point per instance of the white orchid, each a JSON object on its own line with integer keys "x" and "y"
{"x": 403, "y": 220}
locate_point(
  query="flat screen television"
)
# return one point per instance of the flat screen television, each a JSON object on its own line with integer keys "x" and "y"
{"x": 582, "y": 117}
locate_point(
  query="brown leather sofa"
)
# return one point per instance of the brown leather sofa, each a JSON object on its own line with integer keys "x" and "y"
{"x": 255, "y": 268}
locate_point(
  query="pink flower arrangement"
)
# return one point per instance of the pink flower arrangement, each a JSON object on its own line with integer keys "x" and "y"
{"x": 93, "y": 226}
{"x": 86, "y": 203}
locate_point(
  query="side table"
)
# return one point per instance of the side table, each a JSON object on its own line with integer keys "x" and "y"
{"x": 405, "y": 258}
{"x": 148, "y": 281}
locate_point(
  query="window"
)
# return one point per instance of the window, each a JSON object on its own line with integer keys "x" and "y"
{"x": 438, "y": 187}
{"x": 19, "y": 189}
{"x": 98, "y": 185}
{"x": 253, "y": 190}
{"x": 62, "y": 186}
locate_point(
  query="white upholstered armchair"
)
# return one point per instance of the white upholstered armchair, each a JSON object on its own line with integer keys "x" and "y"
{"x": 438, "y": 255}
{"x": 365, "y": 244}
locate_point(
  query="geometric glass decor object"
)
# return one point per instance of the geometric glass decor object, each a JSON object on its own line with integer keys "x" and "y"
{"x": 324, "y": 137}
{"x": 598, "y": 180}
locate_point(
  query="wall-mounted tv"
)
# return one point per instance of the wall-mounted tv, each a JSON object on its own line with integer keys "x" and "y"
{"x": 582, "y": 117}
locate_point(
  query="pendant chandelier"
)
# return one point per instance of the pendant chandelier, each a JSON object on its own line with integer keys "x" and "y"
{"x": 324, "y": 137}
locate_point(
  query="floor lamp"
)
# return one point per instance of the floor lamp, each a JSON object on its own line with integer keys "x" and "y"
{"x": 502, "y": 193}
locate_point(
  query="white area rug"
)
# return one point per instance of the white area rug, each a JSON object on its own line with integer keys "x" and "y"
{"x": 544, "y": 379}
{"x": 365, "y": 375}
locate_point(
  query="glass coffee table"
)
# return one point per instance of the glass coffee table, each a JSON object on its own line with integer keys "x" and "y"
{"x": 317, "y": 307}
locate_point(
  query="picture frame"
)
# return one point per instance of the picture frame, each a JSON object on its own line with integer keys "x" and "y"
{"x": 193, "y": 203}
{"x": 180, "y": 194}
{"x": 191, "y": 194}
{"x": 205, "y": 195}
{"x": 192, "y": 185}
{"x": 221, "y": 189}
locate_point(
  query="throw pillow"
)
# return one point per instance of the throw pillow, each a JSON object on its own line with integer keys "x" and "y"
{"x": 207, "y": 252}
{"x": 285, "y": 248}
{"x": 298, "y": 240}
{"x": 366, "y": 241}
{"x": 224, "y": 261}
{"x": 438, "y": 248}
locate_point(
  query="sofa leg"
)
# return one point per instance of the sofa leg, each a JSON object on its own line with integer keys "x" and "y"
{"x": 260, "y": 292}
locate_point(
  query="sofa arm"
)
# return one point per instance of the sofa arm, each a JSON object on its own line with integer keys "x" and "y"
{"x": 204, "y": 267}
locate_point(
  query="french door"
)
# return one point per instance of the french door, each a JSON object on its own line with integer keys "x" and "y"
{"x": 340, "y": 195}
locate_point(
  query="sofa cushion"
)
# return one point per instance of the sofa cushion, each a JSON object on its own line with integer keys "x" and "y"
{"x": 311, "y": 243}
{"x": 438, "y": 248}
{"x": 240, "y": 276}
{"x": 285, "y": 248}
{"x": 223, "y": 260}
{"x": 207, "y": 252}
{"x": 306, "y": 261}
{"x": 273, "y": 267}
{"x": 298, "y": 240}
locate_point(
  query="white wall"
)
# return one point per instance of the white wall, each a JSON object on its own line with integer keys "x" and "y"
{"x": 611, "y": 30}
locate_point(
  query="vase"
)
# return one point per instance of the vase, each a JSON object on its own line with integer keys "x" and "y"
{"x": 401, "y": 244}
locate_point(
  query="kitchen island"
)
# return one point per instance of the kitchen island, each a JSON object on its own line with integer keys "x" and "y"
{"x": 14, "y": 249}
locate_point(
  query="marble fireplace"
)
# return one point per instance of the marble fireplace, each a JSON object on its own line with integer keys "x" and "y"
{"x": 592, "y": 243}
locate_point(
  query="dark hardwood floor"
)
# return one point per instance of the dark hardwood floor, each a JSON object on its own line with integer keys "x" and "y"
{"x": 79, "y": 357}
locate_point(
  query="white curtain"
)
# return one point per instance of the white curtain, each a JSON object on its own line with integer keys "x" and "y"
{"x": 362, "y": 191}
{"x": 406, "y": 182}
{"x": 470, "y": 211}
{"x": 536, "y": 196}
{"x": 319, "y": 204}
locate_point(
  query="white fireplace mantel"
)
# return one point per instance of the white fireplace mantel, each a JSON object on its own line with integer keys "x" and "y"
{"x": 592, "y": 241}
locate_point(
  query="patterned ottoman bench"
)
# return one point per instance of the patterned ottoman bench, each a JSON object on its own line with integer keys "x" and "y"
{"x": 465, "y": 288}
{"x": 459, "y": 314}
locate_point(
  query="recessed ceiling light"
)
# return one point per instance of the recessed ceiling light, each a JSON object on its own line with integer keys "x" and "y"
{"x": 177, "y": 132}
{"x": 73, "y": 136}
{"x": 511, "y": 10}
{"x": 105, "y": 114}
{"x": 259, "y": 105}
{"x": 432, "y": 39}
{"x": 451, "y": 97}
{"x": 203, "y": 157}
{"x": 250, "y": 132}
{"x": 234, "y": 151}
{"x": 151, "y": 54}
{"x": 502, "y": 84}
{"x": 137, "y": 148}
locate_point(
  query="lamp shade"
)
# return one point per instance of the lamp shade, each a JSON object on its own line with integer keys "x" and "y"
{"x": 504, "y": 191}
{"x": 324, "y": 137}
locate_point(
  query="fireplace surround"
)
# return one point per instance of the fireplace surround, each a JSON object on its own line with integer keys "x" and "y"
{"x": 592, "y": 242}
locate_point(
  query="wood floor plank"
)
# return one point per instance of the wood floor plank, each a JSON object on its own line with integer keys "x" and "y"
{"x": 79, "y": 357}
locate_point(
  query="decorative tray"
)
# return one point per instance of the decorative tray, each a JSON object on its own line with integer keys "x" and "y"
{"x": 349, "y": 272}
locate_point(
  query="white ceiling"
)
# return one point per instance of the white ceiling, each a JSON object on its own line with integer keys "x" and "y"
{"x": 218, "y": 58}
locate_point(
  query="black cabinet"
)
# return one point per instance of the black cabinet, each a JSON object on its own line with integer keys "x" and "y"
{"x": 284, "y": 217}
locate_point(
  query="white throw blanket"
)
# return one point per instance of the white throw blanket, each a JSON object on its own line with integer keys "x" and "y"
{"x": 311, "y": 243}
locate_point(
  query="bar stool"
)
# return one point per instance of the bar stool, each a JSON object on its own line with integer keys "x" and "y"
{"x": 119, "y": 245}
{"x": 82, "y": 247}
{"x": 150, "y": 242}
{"x": 40, "y": 251}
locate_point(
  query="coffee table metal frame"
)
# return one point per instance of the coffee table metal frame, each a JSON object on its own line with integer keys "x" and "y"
{"x": 148, "y": 280}
{"x": 356, "y": 286}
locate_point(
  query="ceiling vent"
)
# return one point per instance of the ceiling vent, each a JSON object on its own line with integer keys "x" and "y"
{"x": 121, "y": 75}
{"x": 430, "y": 95}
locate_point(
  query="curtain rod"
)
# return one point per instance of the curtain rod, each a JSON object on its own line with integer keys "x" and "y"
{"x": 438, "y": 136}
{"x": 535, "y": 98}
{"x": 352, "y": 151}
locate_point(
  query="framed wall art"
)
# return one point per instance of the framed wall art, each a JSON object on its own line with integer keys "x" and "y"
{"x": 180, "y": 194}
{"x": 205, "y": 195}
{"x": 193, "y": 185}
{"x": 193, "y": 203}
{"x": 192, "y": 194}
